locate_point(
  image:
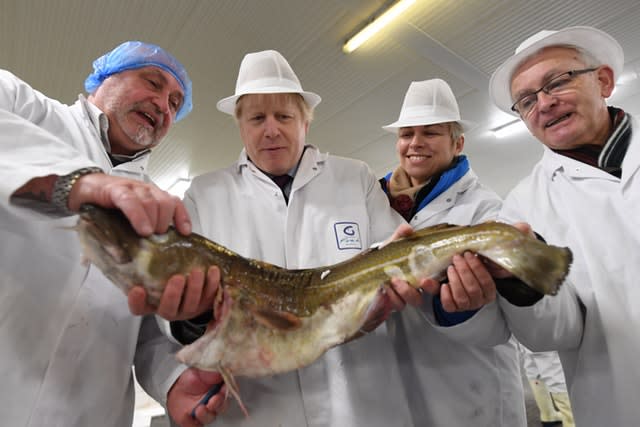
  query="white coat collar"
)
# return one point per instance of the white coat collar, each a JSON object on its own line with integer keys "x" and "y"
{"x": 448, "y": 198}
{"x": 311, "y": 152}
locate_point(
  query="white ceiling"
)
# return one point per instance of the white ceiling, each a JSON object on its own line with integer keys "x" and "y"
{"x": 51, "y": 45}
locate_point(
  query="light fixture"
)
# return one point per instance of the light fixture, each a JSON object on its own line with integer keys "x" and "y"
{"x": 179, "y": 187}
{"x": 376, "y": 23}
{"x": 509, "y": 128}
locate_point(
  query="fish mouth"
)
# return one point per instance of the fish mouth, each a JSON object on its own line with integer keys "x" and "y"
{"x": 100, "y": 238}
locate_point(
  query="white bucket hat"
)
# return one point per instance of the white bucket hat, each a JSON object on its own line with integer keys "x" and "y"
{"x": 599, "y": 44}
{"x": 428, "y": 102}
{"x": 265, "y": 72}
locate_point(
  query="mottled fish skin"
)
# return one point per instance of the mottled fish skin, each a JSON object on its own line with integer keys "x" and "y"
{"x": 272, "y": 320}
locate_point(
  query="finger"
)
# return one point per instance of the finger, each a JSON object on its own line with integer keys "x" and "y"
{"x": 396, "y": 300}
{"x": 446, "y": 299}
{"x": 149, "y": 203}
{"x": 483, "y": 276}
{"x": 166, "y": 207}
{"x": 469, "y": 280}
{"x": 430, "y": 286}
{"x": 172, "y": 297}
{"x": 181, "y": 218}
{"x": 403, "y": 230}
{"x": 125, "y": 199}
{"x": 459, "y": 295}
{"x": 137, "y": 299}
{"x": 407, "y": 292}
{"x": 524, "y": 228}
{"x": 192, "y": 294}
{"x": 204, "y": 415}
{"x": 211, "y": 287}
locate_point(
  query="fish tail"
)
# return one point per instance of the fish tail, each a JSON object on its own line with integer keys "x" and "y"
{"x": 543, "y": 267}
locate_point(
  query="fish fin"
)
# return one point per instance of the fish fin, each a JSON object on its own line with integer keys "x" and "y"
{"x": 542, "y": 267}
{"x": 232, "y": 387}
{"x": 394, "y": 272}
{"x": 280, "y": 320}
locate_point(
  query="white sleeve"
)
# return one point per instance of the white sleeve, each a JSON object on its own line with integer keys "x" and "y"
{"x": 486, "y": 328}
{"x": 155, "y": 363}
{"x": 27, "y": 150}
{"x": 553, "y": 323}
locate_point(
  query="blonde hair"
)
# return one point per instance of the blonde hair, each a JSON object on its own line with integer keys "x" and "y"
{"x": 289, "y": 98}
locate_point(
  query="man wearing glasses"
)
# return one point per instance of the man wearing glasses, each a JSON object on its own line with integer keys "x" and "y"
{"x": 584, "y": 193}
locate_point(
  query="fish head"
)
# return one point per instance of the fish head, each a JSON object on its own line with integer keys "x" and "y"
{"x": 106, "y": 234}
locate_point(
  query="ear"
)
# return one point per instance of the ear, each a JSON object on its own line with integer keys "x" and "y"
{"x": 459, "y": 145}
{"x": 606, "y": 80}
{"x": 306, "y": 127}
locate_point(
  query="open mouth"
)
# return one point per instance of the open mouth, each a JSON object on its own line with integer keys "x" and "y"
{"x": 148, "y": 118}
{"x": 558, "y": 120}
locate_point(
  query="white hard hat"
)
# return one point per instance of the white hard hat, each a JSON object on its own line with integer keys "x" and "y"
{"x": 266, "y": 72}
{"x": 604, "y": 48}
{"x": 428, "y": 102}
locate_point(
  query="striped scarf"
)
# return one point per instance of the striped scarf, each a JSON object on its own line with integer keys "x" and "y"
{"x": 610, "y": 156}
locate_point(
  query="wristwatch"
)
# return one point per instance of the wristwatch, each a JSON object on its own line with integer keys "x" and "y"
{"x": 63, "y": 186}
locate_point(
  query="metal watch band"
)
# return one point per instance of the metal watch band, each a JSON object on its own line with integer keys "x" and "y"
{"x": 62, "y": 188}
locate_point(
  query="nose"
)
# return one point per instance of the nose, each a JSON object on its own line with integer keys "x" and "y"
{"x": 162, "y": 104}
{"x": 271, "y": 127}
{"x": 416, "y": 141}
{"x": 545, "y": 101}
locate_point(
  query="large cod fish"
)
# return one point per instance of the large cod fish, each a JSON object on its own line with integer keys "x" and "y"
{"x": 271, "y": 320}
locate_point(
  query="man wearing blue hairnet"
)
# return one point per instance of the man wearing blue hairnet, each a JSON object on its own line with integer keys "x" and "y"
{"x": 69, "y": 338}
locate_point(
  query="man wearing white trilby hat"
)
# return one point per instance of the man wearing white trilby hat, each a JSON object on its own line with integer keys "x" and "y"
{"x": 329, "y": 210}
{"x": 434, "y": 184}
{"x": 583, "y": 194}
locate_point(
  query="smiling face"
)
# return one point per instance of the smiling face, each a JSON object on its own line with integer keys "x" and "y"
{"x": 425, "y": 151}
{"x": 141, "y": 105}
{"x": 574, "y": 118}
{"x": 273, "y": 128}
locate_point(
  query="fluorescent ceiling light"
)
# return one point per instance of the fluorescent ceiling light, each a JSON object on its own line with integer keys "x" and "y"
{"x": 179, "y": 187}
{"x": 509, "y": 128}
{"x": 376, "y": 25}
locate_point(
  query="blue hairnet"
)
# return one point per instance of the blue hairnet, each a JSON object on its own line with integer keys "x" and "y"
{"x": 134, "y": 54}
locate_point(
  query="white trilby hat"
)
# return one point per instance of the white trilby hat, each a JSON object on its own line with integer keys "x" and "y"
{"x": 604, "y": 48}
{"x": 428, "y": 102}
{"x": 265, "y": 72}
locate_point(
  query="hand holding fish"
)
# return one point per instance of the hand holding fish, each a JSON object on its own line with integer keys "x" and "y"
{"x": 182, "y": 298}
{"x": 471, "y": 283}
{"x": 148, "y": 208}
{"x": 186, "y": 393}
{"x": 400, "y": 291}
{"x": 272, "y": 320}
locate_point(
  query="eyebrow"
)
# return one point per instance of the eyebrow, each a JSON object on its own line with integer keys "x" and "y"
{"x": 157, "y": 73}
{"x": 549, "y": 75}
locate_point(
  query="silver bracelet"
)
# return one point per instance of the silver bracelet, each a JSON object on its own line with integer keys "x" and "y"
{"x": 62, "y": 189}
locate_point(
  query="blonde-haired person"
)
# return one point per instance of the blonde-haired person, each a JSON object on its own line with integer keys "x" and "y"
{"x": 434, "y": 184}
{"x": 285, "y": 202}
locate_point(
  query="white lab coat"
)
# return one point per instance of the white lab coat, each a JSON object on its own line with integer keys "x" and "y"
{"x": 68, "y": 339}
{"x": 336, "y": 209}
{"x": 597, "y": 215}
{"x": 367, "y": 381}
{"x": 484, "y": 380}
{"x": 544, "y": 366}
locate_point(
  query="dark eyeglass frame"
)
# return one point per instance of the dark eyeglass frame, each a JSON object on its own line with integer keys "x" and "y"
{"x": 547, "y": 88}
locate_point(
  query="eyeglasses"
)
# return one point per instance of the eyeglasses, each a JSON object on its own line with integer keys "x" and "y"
{"x": 556, "y": 86}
